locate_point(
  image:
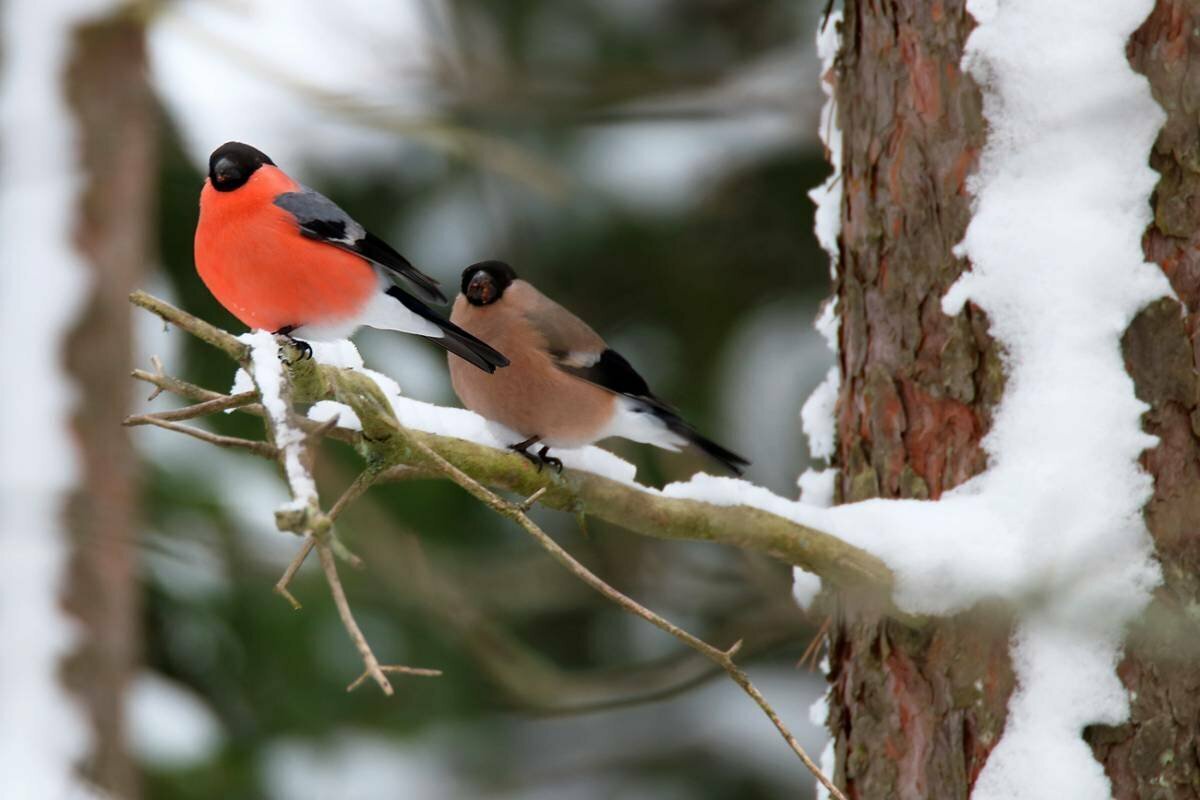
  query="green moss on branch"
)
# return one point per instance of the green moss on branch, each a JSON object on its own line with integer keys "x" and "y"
{"x": 387, "y": 444}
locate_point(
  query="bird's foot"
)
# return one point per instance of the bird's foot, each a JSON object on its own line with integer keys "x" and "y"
{"x": 555, "y": 463}
{"x": 523, "y": 449}
{"x": 304, "y": 347}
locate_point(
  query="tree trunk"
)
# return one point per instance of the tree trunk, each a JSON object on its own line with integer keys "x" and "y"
{"x": 1154, "y": 754}
{"x": 915, "y": 713}
{"x": 116, "y": 120}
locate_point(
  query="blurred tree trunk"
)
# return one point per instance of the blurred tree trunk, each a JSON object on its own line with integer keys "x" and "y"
{"x": 915, "y": 713}
{"x": 116, "y": 121}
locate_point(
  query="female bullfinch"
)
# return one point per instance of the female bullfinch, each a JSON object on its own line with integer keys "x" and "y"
{"x": 565, "y": 387}
{"x": 286, "y": 259}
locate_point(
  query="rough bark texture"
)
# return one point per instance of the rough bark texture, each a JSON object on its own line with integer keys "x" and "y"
{"x": 1155, "y": 755}
{"x": 914, "y": 712}
{"x": 116, "y": 119}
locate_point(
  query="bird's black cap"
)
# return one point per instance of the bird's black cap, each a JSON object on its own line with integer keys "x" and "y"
{"x": 484, "y": 283}
{"x": 232, "y": 164}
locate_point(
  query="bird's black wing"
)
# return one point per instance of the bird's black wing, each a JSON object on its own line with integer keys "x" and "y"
{"x": 322, "y": 219}
{"x": 612, "y": 372}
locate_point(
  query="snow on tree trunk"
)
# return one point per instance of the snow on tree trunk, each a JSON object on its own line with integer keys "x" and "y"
{"x": 1154, "y": 754}
{"x": 74, "y": 167}
{"x": 919, "y": 712}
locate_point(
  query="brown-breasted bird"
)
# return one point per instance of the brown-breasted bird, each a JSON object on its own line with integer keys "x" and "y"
{"x": 564, "y": 386}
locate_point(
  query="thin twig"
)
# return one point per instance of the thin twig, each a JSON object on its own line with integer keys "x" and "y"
{"x": 355, "y": 490}
{"x": 198, "y": 394}
{"x": 528, "y": 502}
{"x": 812, "y": 653}
{"x": 281, "y": 586}
{"x": 222, "y": 403}
{"x": 262, "y": 449}
{"x": 156, "y": 362}
{"x": 395, "y": 668}
{"x": 748, "y": 527}
{"x": 329, "y": 566}
{"x": 723, "y": 658}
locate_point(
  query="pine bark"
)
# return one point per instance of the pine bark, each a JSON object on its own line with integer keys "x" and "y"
{"x": 1154, "y": 755}
{"x": 116, "y": 121}
{"x": 915, "y": 713}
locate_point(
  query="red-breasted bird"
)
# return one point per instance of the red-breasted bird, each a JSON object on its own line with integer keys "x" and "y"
{"x": 286, "y": 259}
{"x": 565, "y": 387}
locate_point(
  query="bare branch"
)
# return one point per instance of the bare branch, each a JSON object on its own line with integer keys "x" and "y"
{"x": 281, "y": 586}
{"x": 578, "y": 492}
{"x": 723, "y": 658}
{"x": 395, "y": 668}
{"x": 325, "y": 554}
{"x": 196, "y": 327}
{"x": 387, "y": 444}
{"x": 198, "y": 394}
{"x": 213, "y": 406}
{"x": 262, "y": 449}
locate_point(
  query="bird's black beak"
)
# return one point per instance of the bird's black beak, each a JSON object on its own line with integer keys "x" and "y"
{"x": 226, "y": 172}
{"x": 482, "y": 289}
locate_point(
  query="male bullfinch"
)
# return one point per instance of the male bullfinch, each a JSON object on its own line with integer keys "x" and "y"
{"x": 286, "y": 259}
{"x": 566, "y": 387}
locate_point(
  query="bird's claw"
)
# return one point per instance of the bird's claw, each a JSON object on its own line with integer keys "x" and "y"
{"x": 304, "y": 347}
{"x": 555, "y": 463}
{"x": 528, "y": 456}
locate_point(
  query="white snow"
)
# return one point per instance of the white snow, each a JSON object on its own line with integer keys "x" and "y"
{"x": 463, "y": 424}
{"x": 169, "y": 726}
{"x": 818, "y": 414}
{"x": 828, "y": 765}
{"x": 267, "y": 372}
{"x": 357, "y": 766}
{"x": 828, "y": 196}
{"x": 42, "y": 731}
{"x": 818, "y": 713}
{"x": 1055, "y": 243}
{"x": 817, "y": 487}
{"x": 427, "y": 417}
{"x": 1055, "y": 522}
{"x": 325, "y": 410}
{"x": 805, "y": 586}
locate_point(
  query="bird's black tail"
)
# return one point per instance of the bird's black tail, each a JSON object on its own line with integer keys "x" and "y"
{"x": 454, "y": 339}
{"x": 679, "y": 426}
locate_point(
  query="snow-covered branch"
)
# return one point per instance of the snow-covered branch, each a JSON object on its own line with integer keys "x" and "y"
{"x": 383, "y": 440}
{"x": 387, "y": 445}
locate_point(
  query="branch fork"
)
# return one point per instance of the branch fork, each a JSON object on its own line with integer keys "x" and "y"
{"x": 394, "y": 452}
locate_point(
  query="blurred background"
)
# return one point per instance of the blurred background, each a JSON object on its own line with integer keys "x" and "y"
{"x": 644, "y": 162}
